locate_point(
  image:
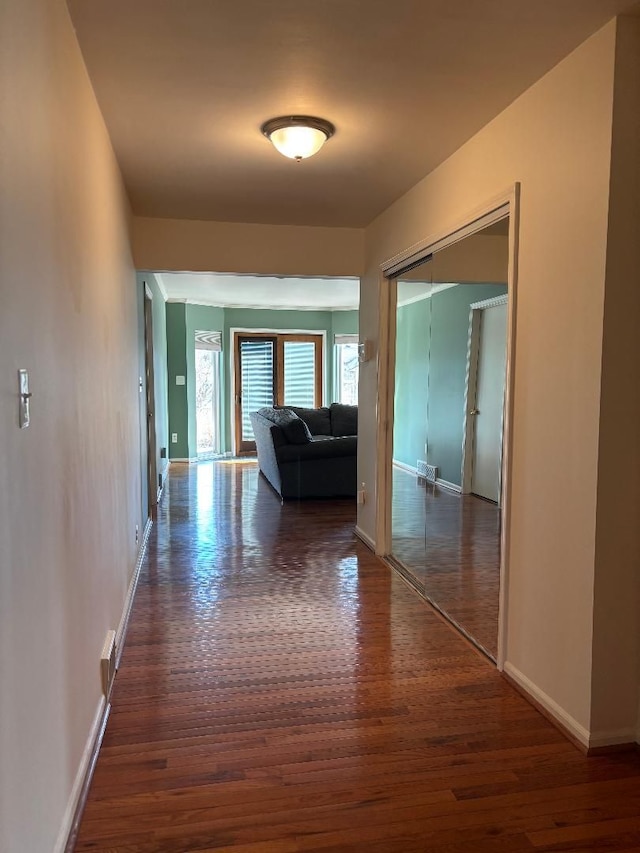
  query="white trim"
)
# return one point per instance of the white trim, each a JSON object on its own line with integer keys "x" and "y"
{"x": 471, "y": 391}
{"x": 83, "y": 775}
{"x": 98, "y": 725}
{"x": 503, "y": 299}
{"x": 364, "y": 537}
{"x": 133, "y": 583}
{"x": 447, "y": 485}
{"x": 612, "y": 738}
{"x": 186, "y": 459}
{"x": 212, "y": 303}
{"x": 437, "y": 288}
{"x": 147, "y": 291}
{"x": 408, "y": 468}
{"x": 578, "y": 731}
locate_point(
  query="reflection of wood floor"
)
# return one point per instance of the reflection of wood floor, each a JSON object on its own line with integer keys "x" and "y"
{"x": 451, "y": 546}
{"x": 281, "y": 690}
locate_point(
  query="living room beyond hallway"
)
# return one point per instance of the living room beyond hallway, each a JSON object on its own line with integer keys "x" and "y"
{"x": 282, "y": 689}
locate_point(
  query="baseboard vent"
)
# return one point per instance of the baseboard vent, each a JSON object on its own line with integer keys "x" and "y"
{"x": 108, "y": 662}
{"x": 429, "y": 472}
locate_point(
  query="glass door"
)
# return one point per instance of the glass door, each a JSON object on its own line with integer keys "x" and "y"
{"x": 255, "y": 384}
{"x": 207, "y": 402}
{"x": 276, "y": 369}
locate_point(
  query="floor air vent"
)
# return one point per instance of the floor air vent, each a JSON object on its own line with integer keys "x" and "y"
{"x": 429, "y": 472}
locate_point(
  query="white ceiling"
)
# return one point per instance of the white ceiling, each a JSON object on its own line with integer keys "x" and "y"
{"x": 250, "y": 291}
{"x": 184, "y": 86}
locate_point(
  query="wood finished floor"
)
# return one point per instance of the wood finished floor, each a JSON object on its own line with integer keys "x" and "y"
{"x": 450, "y": 545}
{"x": 280, "y": 690}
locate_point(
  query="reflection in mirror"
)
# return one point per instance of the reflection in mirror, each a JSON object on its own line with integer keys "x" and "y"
{"x": 451, "y": 335}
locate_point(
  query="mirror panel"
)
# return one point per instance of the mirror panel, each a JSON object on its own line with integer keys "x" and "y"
{"x": 448, "y": 422}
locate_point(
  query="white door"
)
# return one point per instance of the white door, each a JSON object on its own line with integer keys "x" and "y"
{"x": 487, "y": 444}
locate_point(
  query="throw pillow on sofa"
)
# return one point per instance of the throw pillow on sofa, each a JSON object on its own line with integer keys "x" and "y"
{"x": 294, "y": 429}
{"x": 344, "y": 419}
{"x": 318, "y": 420}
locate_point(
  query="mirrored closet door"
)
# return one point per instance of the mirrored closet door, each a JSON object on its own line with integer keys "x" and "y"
{"x": 451, "y": 337}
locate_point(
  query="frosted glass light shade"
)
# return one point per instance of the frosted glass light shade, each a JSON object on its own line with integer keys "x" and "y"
{"x": 298, "y": 137}
{"x": 298, "y": 142}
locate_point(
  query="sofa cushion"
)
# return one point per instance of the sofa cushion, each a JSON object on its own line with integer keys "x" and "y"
{"x": 322, "y": 447}
{"x": 344, "y": 419}
{"x": 295, "y": 430}
{"x": 318, "y": 420}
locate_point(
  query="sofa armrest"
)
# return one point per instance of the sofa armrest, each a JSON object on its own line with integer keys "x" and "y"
{"x": 266, "y": 442}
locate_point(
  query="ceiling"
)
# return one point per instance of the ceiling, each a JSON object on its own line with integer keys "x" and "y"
{"x": 251, "y": 291}
{"x": 185, "y": 86}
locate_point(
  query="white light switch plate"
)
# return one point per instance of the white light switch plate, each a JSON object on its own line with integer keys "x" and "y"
{"x": 25, "y": 396}
{"x": 180, "y": 380}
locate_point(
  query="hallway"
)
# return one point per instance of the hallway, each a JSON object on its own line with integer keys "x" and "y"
{"x": 280, "y": 691}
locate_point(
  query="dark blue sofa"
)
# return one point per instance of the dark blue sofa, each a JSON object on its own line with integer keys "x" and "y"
{"x": 315, "y": 459}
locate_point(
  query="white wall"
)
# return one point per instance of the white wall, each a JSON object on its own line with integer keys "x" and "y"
{"x": 616, "y": 642}
{"x": 174, "y": 244}
{"x": 555, "y": 139}
{"x": 70, "y": 483}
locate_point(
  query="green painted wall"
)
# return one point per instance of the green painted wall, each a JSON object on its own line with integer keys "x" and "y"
{"x": 177, "y": 366}
{"x": 431, "y": 367}
{"x": 413, "y": 335}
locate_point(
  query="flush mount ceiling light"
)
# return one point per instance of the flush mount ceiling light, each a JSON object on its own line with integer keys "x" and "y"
{"x": 298, "y": 137}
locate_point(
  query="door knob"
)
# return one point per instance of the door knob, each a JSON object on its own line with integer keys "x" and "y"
{"x": 474, "y": 412}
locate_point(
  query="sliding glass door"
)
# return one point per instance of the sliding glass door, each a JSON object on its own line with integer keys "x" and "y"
{"x": 274, "y": 369}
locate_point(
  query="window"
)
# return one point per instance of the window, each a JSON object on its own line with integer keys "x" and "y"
{"x": 347, "y": 366}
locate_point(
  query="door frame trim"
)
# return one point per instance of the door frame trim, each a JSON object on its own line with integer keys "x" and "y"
{"x": 471, "y": 391}
{"x": 493, "y": 210}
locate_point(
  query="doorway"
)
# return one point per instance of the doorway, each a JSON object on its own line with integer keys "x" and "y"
{"x": 207, "y": 402}
{"x": 484, "y": 408}
{"x": 152, "y": 465}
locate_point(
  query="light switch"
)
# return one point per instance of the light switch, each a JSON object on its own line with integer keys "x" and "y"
{"x": 25, "y": 396}
{"x": 180, "y": 380}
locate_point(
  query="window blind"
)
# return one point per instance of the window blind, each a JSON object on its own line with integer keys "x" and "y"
{"x": 209, "y": 340}
{"x": 256, "y": 360}
{"x": 299, "y": 373}
{"x": 346, "y": 339}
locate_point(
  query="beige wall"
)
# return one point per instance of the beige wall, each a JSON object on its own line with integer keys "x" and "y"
{"x": 186, "y": 245}
{"x": 478, "y": 258}
{"x": 616, "y": 641}
{"x": 70, "y": 492}
{"x": 555, "y": 139}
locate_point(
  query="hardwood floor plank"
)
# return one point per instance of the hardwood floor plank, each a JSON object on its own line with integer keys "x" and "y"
{"x": 281, "y": 691}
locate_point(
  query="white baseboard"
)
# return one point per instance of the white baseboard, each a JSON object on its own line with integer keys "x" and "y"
{"x": 447, "y": 485}
{"x": 80, "y": 789}
{"x": 133, "y": 583}
{"x": 408, "y": 468}
{"x": 566, "y": 721}
{"x": 66, "y": 836}
{"x": 186, "y": 459}
{"x": 589, "y": 740}
{"x": 363, "y": 537}
{"x": 598, "y": 740}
